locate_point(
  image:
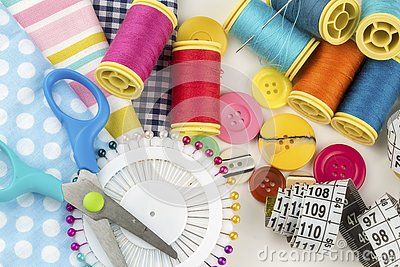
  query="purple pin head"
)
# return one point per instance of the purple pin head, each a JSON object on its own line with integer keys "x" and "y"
{"x": 223, "y": 170}
{"x": 70, "y": 219}
{"x": 75, "y": 246}
{"x": 69, "y": 207}
{"x": 221, "y": 261}
{"x": 209, "y": 153}
{"x": 186, "y": 140}
{"x": 228, "y": 249}
{"x": 71, "y": 232}
{"x": 217, "y": 160}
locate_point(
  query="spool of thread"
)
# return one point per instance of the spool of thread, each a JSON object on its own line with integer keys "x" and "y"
{"x": 324, "y": 80}
{"x": 333, "y": 21}
{"x": 196, "y": 70}
{"x": 139, "y": 42}
{"x": 368, "y": 102}
{"x": 279, "y": 43}
{"x": 378, "y": 34}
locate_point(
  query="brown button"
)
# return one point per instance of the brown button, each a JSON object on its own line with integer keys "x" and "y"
{"x": 265, "y": 182}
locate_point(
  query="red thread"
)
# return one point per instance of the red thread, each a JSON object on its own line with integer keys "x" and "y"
{"x": 196, "y": 86}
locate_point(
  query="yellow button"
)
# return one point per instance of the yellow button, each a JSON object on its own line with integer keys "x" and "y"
{"x": 287, "y": 142}
{"x": 203, "y": 28}
{"x": 271, "y": 88}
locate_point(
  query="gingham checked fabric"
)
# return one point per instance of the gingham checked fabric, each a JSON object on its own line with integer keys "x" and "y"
{"x": 155, "y": 102}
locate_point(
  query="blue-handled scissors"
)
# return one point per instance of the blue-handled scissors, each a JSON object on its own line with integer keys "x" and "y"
{"x": 82, "y": 193}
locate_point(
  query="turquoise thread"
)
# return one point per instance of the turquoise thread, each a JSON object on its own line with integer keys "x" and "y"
{"x": 370, "y": 7}
{"x": 280, "y": 43}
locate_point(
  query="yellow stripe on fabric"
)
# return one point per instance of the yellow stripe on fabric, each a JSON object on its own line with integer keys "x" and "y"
{"x": 122, "y": 121}
{"x": 77, "y": 47}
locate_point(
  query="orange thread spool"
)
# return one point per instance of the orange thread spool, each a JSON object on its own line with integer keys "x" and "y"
{"x": 324, "y": 81}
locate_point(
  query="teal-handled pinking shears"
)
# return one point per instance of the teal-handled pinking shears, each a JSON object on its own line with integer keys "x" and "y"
{"x": 85, "y": 194}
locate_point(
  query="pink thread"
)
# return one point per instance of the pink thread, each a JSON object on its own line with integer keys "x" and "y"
{"x": 140, "y": 40}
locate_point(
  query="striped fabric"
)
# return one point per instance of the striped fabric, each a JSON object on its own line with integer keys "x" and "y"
{"x": 70, "y": 36}
{"x": 155, "y": 102}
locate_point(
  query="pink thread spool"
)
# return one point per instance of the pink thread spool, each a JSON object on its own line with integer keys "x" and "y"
{"x": 134, "y": 52}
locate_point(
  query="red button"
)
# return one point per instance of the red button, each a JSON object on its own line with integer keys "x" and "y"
{"x": 265, "y": 182}
{"x": 338, "y": 162}
{"x": 241, "y": 118}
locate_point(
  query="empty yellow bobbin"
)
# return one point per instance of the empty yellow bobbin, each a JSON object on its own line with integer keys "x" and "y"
{"x": 203, "y": 28}
{"x": 339, "y": 21}
{"x": 378, "y": 36}
{"x": 354, "y": 128}
{"x": 118, "y": 79}
{"x": 310, "y": 107}
{"x": 301, "y": 59}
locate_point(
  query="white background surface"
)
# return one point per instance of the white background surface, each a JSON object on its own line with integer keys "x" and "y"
{"x": 253, "y": 236}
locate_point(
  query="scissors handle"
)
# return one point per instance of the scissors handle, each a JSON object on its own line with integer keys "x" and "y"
{"x": 81, "y": 133}
{"x": 27, "y": 179}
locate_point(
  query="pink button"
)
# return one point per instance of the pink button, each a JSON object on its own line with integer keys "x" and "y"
{"x": 241, "y": 118}
{"x": 337, "y": 162}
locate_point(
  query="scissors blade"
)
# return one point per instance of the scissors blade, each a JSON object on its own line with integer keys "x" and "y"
{"x": 105, "y": 235}
{"x": 74, "y": 193}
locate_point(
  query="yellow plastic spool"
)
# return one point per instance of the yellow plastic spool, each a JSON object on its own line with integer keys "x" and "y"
{"x": 397, "y": 58}
{"x": 354, "y": 128}
{"x": 196, "y": 128}
{"x": 378, "y": 36}
{"x": 339, "y": 21}
{"x": 311, "y": 107}
{"x": 301, "y": 59}
{"x": 118, "y": 79}
{"x": 203, "y": 28}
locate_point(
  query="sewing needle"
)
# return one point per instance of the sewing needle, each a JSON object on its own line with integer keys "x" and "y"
{"x": 265, "y": 25}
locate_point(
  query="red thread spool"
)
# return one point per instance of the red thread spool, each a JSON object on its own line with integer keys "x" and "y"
{"x": 196, "y": 87}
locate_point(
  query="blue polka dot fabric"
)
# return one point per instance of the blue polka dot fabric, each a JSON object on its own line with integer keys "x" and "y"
{"x": 33, "y": 227}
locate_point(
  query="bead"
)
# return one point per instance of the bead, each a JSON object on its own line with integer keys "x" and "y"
{"x": 209, "y": 153}
{"x": 235, "y": 219}
{"x": 228, "y": 249}
{"x": 198, "y": 145}
{"x": 217, "y": 160}
{"x": 102, "y": 153}
{"x": 221, "y": 261}
{"x": 233, "y": 236}
{"x": 71, "y": 232}
{"x": 231, "y": 181}
{"x": 148, "y": 134}
{"x": 223, "y": 170}
{"x": 80, "y": 257}
{"x": 234, "y": 195}
{"x": 236, "y": 206}
{"x": 70, "y": 219}
{"x": 163, "y": 134}
{"x": 112, "y": 145}
{"x": 69, "y": 207}
{"x": 186, "y": 140}
{"x": 75, "y": 246}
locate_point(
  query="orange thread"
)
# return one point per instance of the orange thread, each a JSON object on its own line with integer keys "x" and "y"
{"x": 330, "y": 72}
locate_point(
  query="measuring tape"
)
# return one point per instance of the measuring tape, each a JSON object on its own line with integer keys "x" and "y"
{"x": 381, "y": 225}
{"x": 311, "y": 217}
{"x": 393, "y": 142}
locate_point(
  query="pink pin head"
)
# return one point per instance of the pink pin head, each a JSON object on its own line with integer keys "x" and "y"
{"x": 223, "y": 170}
{"x": 198, "y": 145}
{"x": 209, "y": 153}
{"x": 186, "y": 140}
{"x": 217, "y": 160}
